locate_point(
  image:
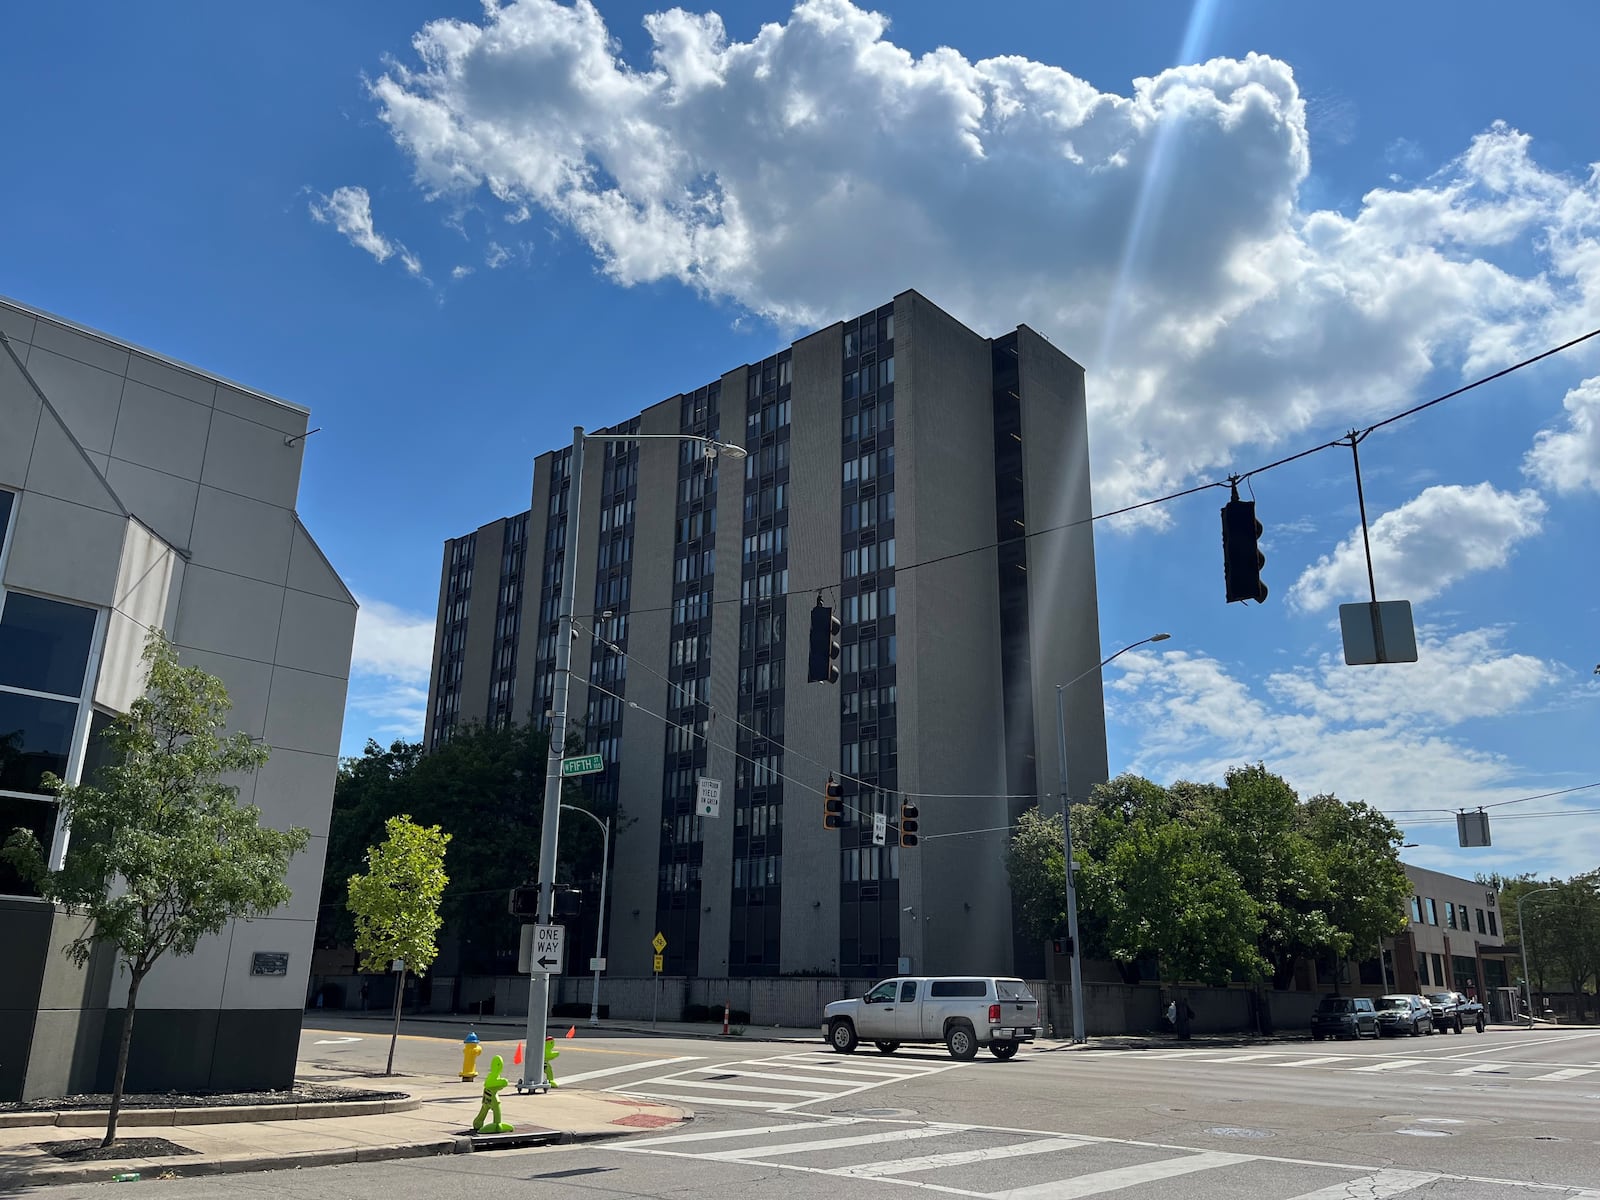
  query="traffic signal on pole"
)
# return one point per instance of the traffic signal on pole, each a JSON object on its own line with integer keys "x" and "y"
{"x": 820, "y": 666}
{"x": 1242, "y": 559}
{"x": 832, "y": 805}
{"x": 908, "y": 825}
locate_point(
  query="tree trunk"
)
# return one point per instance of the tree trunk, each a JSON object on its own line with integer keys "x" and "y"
{"x": 399, "y": 998}
{"x": 122, "y": 1058}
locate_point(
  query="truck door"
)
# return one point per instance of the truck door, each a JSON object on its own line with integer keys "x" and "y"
{"x": 908, "y": 1012}
{"x": 875, "y": 1019}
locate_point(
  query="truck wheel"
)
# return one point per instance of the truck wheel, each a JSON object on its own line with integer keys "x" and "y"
{"x": 1004, "y": 1051}
{"x": 842, "y": 1037}
{"x": 1480, "y": 1022}
{"x": 887, "y": 1047}
{"x": 1458, "y": 1024}
{"x": 961, "y": 1042}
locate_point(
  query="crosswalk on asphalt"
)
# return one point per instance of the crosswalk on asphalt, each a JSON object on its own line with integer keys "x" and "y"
{"x": 1361, "y": 1063}
{"x": 969, "y": 1160}
{"x": 779, "y": 1083}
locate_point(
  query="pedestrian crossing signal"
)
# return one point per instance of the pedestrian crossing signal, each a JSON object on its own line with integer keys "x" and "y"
{"x": 908, "y": 825}
{"x": 832, "y": 805}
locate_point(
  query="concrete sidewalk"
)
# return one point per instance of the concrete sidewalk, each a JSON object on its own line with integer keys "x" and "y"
{"x": 434, "y": 1119}
{"x": 677, "y": 1029}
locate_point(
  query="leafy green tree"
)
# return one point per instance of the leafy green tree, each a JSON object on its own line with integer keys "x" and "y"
{"x": 396, "y": 904}
{"x": 161, "y": 853}
{"x": 1561, "y": 929}
{"x": 1357, "y": 852}
{"x": 1035, "y": 862}
{"x": 485, "y": 786}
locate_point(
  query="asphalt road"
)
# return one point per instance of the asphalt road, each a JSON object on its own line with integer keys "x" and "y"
{"x": 1506, "y": 1115}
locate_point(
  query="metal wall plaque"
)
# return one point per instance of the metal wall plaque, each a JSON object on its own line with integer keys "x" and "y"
{"x": 269, "y": 962}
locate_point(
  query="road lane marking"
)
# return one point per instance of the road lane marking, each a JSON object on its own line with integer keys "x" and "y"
{"x": 1392, "y": 1065}
{"x": 959, "y": 1158}
{"x": 733, "y": 1069}
{"x": 1568, "y": 1073}
{"x": 1373, "y": 1187}
{"x": 644, "y": 1066}
{"x": 843, "y": 1143}
{"x": 335, "y": 1041}
{"x": 1122, "y": 1177}
{"x": 678, "y": 1098}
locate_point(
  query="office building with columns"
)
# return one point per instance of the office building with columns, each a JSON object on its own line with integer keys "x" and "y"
{"x": 139, "y": 493}
{"x": 928, "y": 483}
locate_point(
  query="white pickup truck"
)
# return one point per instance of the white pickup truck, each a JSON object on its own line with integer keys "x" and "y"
{"x": 963, "y": 1012}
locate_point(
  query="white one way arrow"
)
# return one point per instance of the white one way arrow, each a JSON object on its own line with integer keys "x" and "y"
{"x": 335, "y": 1041}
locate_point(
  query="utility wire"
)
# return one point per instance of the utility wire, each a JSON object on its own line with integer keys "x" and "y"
{"x": 1202, "y": 487}
{"x": 1582, "y": 787}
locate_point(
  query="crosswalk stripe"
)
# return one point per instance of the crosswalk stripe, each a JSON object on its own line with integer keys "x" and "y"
{"x": 1568, "y": 1073}
{"x": 1122, "y": 1177}
{"x": 1373, "y": 1187}
{"x": 729, "y": 1069}
{"x": 871, "y": 1073}
{"x": 1238, "y": 1058}
{"x": 1479, "y": 1069}
{"x": 844, "y": 1143}
{"x": 900, "y": 1069}
{"x": 1313, "y": 1062}
{"x": 644, "y": 1066}
{"x": 678, "y": 1081}
{"x": 713, "y": 1135}
{"x": 958, "y": 1158}
{"x": 679, "y": 1098}
{"x": 1392, "y": 1064}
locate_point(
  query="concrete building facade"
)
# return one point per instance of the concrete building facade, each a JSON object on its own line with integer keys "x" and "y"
{"x": 931, "y": 486}
{"x": 139, "y": 493}
{"x": 1453, "y": 939}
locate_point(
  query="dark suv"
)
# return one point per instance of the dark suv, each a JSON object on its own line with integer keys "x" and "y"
{"x": 1344, "y": 1017}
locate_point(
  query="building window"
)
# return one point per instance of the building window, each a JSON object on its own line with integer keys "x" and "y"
{"x": 1449, "y": 915}
{"x": 1494, "y": 930}
{"x": 1416, "y": 909}
{"x": 1481, "y": 929}
{"x": 1433, "y": 911}
{"x": 1422, "y": 968}
{"x": 1438, "y": 970}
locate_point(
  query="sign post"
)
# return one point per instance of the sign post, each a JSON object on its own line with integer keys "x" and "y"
{"x": 659, "y": 945}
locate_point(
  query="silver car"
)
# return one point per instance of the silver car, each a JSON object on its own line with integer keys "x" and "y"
{"x": 963, "y": 1012}
{"x": 1403, "y": 1013}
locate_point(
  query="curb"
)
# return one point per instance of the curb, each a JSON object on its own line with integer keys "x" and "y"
{"x": 149, "y": 1118}
{"x": 439, "y": 1148}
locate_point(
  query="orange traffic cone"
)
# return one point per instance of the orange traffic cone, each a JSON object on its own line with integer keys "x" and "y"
{"x": 516, "y": 1059}
{"x": 572, "y": 1032}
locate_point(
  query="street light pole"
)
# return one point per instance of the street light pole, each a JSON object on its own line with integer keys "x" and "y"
{"x": 600, "y": 929}
{"x": 1078, "y": 1035}
{"x": 1522, "y": 936}
{"x": 550, "y": 830}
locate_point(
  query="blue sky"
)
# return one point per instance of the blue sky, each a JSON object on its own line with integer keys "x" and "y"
{"x": 446, "y": 231}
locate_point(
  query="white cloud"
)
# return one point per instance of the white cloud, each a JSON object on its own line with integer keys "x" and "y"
{"x": 1568, "y": 459}
{"x": 1423, "y": 546}
{"x": 1158, "y": 236}
{"x": 460, "y": 272}
{"x": 392, "y": 642}
{"x": 496, "y": 256}
{"x": 349, "y": 210}
{"x": 1380, "y": 734}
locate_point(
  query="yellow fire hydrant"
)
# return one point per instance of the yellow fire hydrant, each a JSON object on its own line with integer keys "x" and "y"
{"x": 469, "y": 1057}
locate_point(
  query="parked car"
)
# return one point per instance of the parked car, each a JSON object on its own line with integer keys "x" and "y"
{"x": 1399, "y": 1014}
{"x": 1344, "y": 1017}
{"x": 963, "y": 1012}
{"x": 1453, "y": 1011}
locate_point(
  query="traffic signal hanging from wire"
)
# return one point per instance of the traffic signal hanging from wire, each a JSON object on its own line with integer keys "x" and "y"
{"x": 1242, "y": 559}
{"x": 832, "y": 805}
{"x": 908, "y": 825}
{"x": 820, "y": 666}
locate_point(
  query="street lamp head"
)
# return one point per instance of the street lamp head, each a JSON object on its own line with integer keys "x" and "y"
{"x": 715, "y": 448}
{"x": 1159, "y": 637}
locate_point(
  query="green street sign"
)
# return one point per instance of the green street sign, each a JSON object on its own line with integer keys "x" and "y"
{"x": 583, "y": 764}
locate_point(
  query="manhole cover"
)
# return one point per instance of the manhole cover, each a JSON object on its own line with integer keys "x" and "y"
{"x": 1423, "y": 1132}
{"x": 882, "y": 1112}
{"x": 1238, "y": 1131}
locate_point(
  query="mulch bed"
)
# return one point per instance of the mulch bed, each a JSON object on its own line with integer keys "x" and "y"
{"x": 90, "y": 1149}
{"x": 301, "y": 1093}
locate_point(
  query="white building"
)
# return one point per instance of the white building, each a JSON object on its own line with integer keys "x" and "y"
{"x": 138, "y": 492}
